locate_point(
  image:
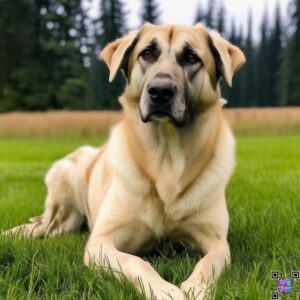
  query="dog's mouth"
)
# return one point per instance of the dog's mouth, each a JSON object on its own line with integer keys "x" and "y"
{"x": 162, "y": 115}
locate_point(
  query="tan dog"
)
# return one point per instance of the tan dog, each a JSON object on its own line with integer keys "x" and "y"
{"x": 165, "y": 167}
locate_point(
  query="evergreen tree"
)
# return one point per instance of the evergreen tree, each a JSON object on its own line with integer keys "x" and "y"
{"x": 16, "y": 40}
{"x": 210, "y": 17}
{"x": 263, "y": 75}
{"x": 52, "y": 74}
{"x": 150, "y": 12}
{"x": 233, "y": 34}
{"x": 248, "y": 72}
{"x": 200, "y": 15}
{"x": 275, "y": 60}
{"x": 240, "y": 38}
{"x": 221, "y": 19}
{"x": 290, "y": 79}
{"x": 109, "y": 26}
{"x": 66, "y": 46}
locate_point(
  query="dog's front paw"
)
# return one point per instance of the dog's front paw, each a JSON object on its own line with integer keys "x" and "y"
{"x": 194, "y": 290}
{"x": 167, "y": 291}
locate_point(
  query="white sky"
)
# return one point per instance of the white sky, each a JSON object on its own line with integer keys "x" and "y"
{"x": 183, "y": 11}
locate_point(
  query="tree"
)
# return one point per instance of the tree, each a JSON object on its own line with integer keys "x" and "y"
{"x": 248, "y": 72}
{"x": 290, "y": 80}
{"x": 221, "y": 19}
{"x": 240, "y": 38}
{"x": 51, "y": 67}
{"x": 233, "y": 35}
{"x": 108, "y": 27}
{"x": 275, "y": 55}
{"x": 263, "y": 85}
{"x": 16, "y": 33}
{"x": 150, "y": 12}
{"x": 66, "y": 45}
{"x": 210, "y": 18}
{"x": 200, "y": 15}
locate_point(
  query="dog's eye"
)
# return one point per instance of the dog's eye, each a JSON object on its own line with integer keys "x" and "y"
{"x": 192, "y": 58}
{"x": 189, "y": 57}
{"x": 147, "y": 55}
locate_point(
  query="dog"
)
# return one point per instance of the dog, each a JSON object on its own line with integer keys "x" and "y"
{"x": 164, "y": 170}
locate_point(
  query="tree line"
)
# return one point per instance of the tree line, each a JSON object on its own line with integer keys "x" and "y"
{"x": 49, "y": 54}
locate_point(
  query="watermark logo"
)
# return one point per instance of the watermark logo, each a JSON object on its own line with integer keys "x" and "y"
{"x": 285, "y": 286}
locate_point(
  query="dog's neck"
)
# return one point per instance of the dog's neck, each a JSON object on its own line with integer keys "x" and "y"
{"x": 173, "y": 149}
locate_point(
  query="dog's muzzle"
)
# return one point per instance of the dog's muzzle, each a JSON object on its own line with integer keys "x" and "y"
{"x": 161, "y": 93}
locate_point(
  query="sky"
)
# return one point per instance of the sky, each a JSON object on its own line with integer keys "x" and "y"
{"x": 184, "y": 11}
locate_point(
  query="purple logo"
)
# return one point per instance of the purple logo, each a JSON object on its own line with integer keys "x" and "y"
{"x": 284, "y": 285}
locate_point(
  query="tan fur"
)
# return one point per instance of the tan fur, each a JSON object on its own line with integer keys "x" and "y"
{"x": 152, "y": 180}
{"x": 92, "y": 163}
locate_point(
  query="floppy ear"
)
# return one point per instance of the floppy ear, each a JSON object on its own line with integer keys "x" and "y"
{"x": 228, "y": 57}
{"x": 115, "y": 54}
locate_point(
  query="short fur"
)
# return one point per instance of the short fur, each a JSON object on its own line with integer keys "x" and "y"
{"x": 155, "y": 177}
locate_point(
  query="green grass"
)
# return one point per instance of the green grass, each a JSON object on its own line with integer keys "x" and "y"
{"x": 263, "y": 199}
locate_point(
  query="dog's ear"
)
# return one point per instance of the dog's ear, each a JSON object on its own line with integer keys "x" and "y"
{"x": 116, "y": 53}
{"x": 228, "y": 57}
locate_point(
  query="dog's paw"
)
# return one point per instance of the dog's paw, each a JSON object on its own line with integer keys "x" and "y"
{"x": 169, "y": 295}
{"x": 194, "y": 290}
{"x": 167, "y": 292}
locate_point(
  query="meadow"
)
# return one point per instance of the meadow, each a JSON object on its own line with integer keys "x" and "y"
{"x": 263, "y": 200}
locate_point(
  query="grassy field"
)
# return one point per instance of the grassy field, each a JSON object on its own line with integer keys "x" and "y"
{"x": 264, "y": 204}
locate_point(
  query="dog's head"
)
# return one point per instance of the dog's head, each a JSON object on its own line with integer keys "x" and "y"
{"x": 172, "y": 70}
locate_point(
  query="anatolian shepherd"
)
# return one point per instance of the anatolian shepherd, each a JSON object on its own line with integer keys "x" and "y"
{"x": 165, "y": 167}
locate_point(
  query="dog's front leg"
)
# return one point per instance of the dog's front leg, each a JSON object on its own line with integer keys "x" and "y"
{"x": 207, "y": 270}
{"x": 102, "y": 251}
{"x": 209, "y": 232}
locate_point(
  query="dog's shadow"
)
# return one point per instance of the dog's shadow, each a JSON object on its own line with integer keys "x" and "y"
{"x": 173, "y": 260}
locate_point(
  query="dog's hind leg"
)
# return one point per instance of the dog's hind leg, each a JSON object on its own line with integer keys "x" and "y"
{"x": 52, "y": 222}
{"x": 63, "y": 213}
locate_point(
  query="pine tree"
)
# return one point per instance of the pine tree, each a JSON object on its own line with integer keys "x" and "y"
{"x": 262, "y": 64}
{"x": 16, "y": 40}
{"x": 111, "y": 23}
{"x": 210, "y": 17}
{"x": 150, "y": 12}
{"x": 221, "y": 19}
{"x": 200, "y": 15}
{"x": 290, "y": 80}
{"x": 233, "y": 34}
{"x": 109, "y": 26}
{"x": 52, "y": 73}
{"x": 248, "y": 72}
{"x": 240, "y": 38}
{"x": 71, "y": 30}
{"x": 275, "y": 60}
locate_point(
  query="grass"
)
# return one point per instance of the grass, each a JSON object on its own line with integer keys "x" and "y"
{"x": 263, "y": 199}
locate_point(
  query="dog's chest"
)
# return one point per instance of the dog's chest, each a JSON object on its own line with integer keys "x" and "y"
{"x": 168, "y": 188}
{"x": 153, "y": 213}
{"x": 151, "y": 204}
{"x": 170, "y": 163}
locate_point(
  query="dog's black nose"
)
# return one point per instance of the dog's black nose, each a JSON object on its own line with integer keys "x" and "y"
{"x": 161, "y": 90}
